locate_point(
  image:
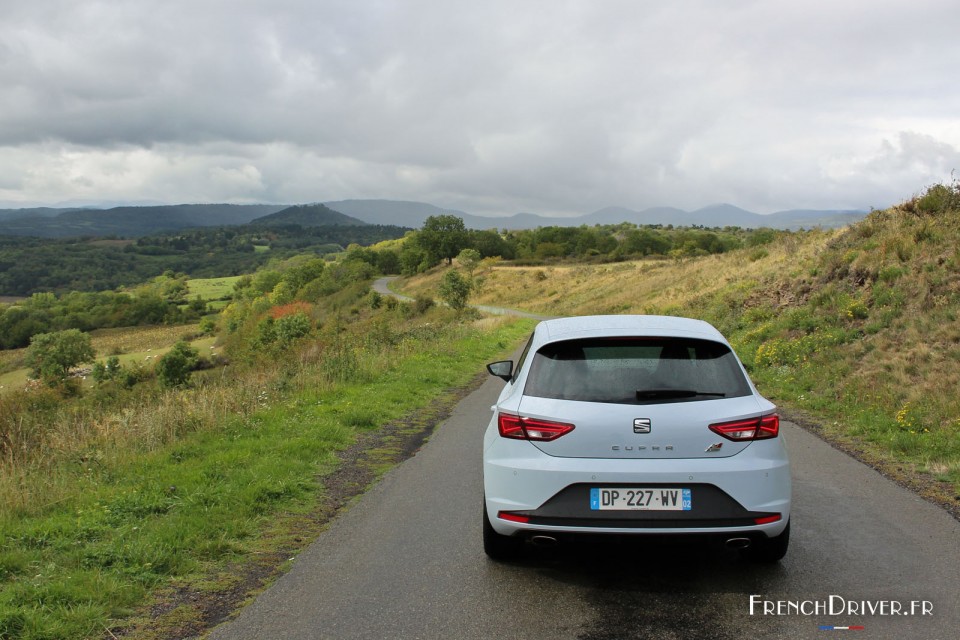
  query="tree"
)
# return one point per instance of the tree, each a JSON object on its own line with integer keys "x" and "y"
{"x": 50, "y": 356}
{"x": 469, "y": 259}
{"x": 455, "y": 290}
{"x": 443, "y": 237}
{"x": 173, "y": 369}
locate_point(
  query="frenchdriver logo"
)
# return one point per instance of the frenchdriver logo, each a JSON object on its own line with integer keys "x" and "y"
{"x": 835, "y": 605}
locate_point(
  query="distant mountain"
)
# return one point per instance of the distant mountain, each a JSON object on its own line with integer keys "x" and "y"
{"x": 413, "y": 214}
{"x": 135, "y": 221}
{"x": 32, "y": 212}
{"x": 307, "y": 215}
{"x": 130, "y": 221}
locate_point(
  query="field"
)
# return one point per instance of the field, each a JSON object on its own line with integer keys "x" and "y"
{"x": 140, "y": 346}
{"x": 211, "y": 288}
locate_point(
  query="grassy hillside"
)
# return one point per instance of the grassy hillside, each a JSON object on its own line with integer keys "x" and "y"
{"x": 177, "y": 502}
{"x": 857, "y": 327}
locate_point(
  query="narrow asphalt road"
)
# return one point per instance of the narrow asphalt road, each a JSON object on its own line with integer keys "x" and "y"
{"x": 406, "y": 561}
{"x": 382, "y": 286}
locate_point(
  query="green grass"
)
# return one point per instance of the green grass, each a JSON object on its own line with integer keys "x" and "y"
{"x": 125, "y": 523}
{"x": 211, "y": 288}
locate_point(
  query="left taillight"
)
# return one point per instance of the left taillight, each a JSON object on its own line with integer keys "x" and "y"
{"x": 520, "y": 428}
{"x": 759, "y": 428}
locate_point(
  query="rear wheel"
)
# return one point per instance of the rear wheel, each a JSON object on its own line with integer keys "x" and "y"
{"x": 497, "y": 546}
{"x": 769, "y": 550}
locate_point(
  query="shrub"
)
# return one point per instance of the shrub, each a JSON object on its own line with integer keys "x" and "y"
{"x": 173, "y": 369}
{"x": 106, "y": 372}
{"x": 289, "y": 328}
{"x": 303, "y": 308}
{"x": 455, "y": 290}
{"x": 422, "y": 304}
{"x": 938, "y": 199}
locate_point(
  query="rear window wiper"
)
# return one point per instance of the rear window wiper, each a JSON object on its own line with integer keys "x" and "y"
{"x": 653, "y": 394}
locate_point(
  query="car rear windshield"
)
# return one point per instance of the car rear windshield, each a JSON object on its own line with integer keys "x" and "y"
{"x": 636, "y": 371}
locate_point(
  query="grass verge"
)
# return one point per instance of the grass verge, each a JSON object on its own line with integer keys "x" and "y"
{"x": 113, "y": 525}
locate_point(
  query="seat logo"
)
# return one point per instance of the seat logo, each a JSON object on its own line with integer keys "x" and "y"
{"x": 642, "y": 425}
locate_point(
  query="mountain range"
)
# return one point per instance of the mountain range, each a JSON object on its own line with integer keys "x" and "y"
{"x": 135, "y": 221}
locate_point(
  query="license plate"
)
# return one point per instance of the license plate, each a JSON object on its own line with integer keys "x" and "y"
{"x": 632, "y": 499}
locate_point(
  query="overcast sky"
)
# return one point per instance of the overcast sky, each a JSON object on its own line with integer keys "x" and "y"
{"x": 492, "y": 107}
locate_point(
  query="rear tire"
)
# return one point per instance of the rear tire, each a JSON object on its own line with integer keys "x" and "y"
{"x": 497, "y": 546}
{"x": 769, "y": 550}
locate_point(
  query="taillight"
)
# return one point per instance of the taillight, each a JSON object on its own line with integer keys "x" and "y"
{"x": 759, "y": 428}
{"x": 767, "y": 519}
{"x": 518, "y": 428}
{"x": 513, "y": 517}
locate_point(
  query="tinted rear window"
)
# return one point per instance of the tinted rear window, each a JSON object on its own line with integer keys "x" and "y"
{"x": 636, "y": 371}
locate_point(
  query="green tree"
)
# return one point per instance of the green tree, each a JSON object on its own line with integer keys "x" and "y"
{"x": 469, "y": 259}
{"x": 50, "y": 356}
{"x": 443, "y": 237}
{"x": 455, "y": 290}
{"x": 173, "y": 369}
{"x": 106, "y": 372}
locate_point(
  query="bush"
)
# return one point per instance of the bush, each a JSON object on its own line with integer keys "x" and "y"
{"x": 455, "y": 290}
{"x": 289, "y": 328}
{"x": 173, "y": 369}
{"x": 105, "y": 372}
{"x": 422, "y": 304}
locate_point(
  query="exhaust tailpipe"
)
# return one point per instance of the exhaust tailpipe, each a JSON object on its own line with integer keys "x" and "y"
{"x": 543, "y": 541}
{"x": 738, "y": 543}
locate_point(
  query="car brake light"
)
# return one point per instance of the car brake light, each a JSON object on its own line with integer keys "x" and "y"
{"x": 513, "y": 517}
{"x": 767, "y": 519}
{"x": 760, "y": 428}
{"x": 518, "y": 428}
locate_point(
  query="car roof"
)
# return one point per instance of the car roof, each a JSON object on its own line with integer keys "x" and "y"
{"x": 626, "y": 325}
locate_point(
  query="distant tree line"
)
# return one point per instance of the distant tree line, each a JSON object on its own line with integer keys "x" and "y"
{"x": 443, "y": 237}
{"x": 34, "y": 265}
{"x": 161, "y": 302}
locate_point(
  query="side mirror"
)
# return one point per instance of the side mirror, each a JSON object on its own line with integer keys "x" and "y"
{"x": 502, "y": 369}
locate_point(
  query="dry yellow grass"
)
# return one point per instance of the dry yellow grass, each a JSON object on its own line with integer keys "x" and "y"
{"x": 629, "y": 287}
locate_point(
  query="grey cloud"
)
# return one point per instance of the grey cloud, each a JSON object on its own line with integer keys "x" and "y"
{"x": 492, "y": 107}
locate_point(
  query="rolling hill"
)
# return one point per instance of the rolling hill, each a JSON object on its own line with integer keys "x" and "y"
{"x": 137, "y": 221}
{"x": 307, "y": 215}
{"x": 133, "y": 222}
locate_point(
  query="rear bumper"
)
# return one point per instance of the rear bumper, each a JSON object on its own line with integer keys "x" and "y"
{"x": 729, "y": 494}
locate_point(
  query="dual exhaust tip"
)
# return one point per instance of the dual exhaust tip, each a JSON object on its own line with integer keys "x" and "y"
{"x": 549, "y": 541}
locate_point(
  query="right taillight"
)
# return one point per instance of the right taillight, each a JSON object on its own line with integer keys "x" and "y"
{"x": 759, "y": 428}
{"x": 519, "y": 428}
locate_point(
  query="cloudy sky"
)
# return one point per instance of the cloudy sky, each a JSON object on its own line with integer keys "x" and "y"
{"x": 492, "y": 107}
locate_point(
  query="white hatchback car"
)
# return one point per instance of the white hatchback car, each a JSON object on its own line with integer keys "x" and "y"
{"x": 637, "y": 425}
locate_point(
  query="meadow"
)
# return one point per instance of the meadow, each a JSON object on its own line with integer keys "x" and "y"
{"x": 134, "y": 346}
{"x": 114, "y": 498}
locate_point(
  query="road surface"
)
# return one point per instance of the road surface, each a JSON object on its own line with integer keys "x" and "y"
{"x": 382, "y": 286}
{"x": 406, "y": 562}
